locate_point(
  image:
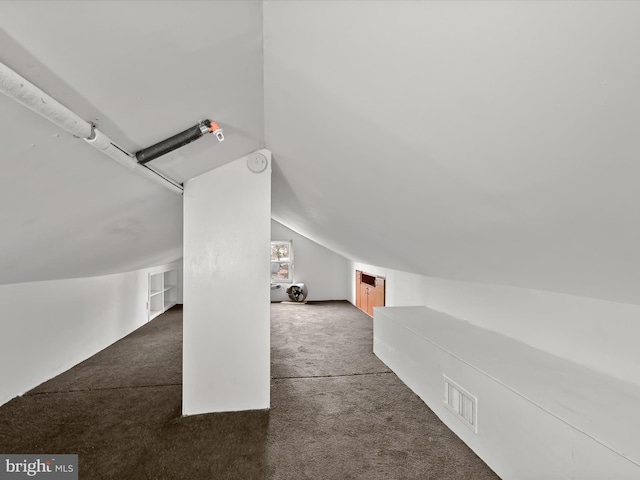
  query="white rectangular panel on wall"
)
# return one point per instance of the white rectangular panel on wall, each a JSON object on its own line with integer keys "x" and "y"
{"x": 227, "y": 222}
{"x": 461, "y": 403}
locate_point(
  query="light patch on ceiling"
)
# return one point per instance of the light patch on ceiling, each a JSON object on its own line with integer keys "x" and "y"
{"x": 127, "y": 227}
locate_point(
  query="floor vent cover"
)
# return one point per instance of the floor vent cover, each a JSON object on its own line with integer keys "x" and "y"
{"x": 461, "y": 403}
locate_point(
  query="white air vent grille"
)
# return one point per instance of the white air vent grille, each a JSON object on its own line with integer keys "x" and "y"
{"x": 461, "y": 403}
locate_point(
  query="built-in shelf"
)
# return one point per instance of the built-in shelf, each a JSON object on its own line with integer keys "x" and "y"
{"x": 163, "y": 292}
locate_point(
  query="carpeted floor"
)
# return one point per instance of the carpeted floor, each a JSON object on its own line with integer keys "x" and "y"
{"x": 337, "y": 412}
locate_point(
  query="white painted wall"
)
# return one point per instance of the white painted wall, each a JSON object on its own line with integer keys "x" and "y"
{"x": 227, "y": 215}
{"x": 596, "y": 333}
{"x": 320, "y": 269}
{"x": 50, "y": 326}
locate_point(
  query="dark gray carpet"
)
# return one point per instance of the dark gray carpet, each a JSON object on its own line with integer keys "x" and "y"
{"x": 321, "y": 339}
{"x": 337, "y": 412}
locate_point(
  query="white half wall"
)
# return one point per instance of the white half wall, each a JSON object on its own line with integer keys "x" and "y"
{"x": 227, "y": 221}
{"x": 50, "y": 326}
{"x": 598, "y": 334}
{"x": 320, "y": 269}
{"x": 536, "y": 416}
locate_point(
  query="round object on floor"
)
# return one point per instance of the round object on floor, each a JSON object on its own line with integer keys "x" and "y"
{"x": 297, "y": 292}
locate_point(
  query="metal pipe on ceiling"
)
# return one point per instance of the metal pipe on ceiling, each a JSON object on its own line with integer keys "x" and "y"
{"x": 179, "y": 140}
{"x": 27, "y": 94}
{"x": 101, "y": 142}
{"x": 24, "y": 92}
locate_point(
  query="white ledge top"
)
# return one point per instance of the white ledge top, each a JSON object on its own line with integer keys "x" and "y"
{"x": 599, "y": 405}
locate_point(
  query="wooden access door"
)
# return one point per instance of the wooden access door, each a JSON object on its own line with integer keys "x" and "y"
{"x": 370, "y": 292}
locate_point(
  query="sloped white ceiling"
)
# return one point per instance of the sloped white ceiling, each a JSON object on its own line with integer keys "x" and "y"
{"x": 484, "y": 141}
{"x": 142, "y": 71}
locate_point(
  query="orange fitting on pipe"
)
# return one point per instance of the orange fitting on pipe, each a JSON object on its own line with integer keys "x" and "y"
{"x": 217, "y": 131}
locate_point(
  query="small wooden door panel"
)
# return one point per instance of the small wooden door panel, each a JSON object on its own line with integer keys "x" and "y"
{"x": 370, "y": 292}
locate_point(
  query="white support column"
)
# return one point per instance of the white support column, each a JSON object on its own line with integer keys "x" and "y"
{"x": 227, "y": 223}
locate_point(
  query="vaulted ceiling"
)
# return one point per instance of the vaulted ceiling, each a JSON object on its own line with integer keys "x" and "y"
{"x": 487, "y": 141}
{"x": 141, "y": 71}
{"x": 484, "y": 141}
